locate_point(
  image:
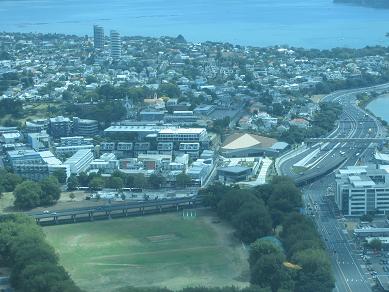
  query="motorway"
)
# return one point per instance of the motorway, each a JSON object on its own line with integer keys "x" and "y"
{"x": 323, "y": 159}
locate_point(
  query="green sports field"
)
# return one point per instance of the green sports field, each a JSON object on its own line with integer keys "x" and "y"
{"x": 157, "y": 250}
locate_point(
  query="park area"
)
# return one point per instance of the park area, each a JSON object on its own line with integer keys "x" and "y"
{"x": 165, "y": 250}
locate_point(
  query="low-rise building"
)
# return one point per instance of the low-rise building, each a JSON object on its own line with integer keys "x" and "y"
{"x": 107, "y": 163}
{"x": 34, "y": 165}
{"x": 246, "y": 145}
{"x": 80, "y": 161}
{"x": 39, "y": 141}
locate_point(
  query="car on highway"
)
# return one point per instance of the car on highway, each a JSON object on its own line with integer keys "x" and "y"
{"x": 54, "y": 213}
{"x": 46, "y": 212}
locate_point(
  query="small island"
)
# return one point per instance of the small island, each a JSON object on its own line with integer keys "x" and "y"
{"x": 383, "y": 4}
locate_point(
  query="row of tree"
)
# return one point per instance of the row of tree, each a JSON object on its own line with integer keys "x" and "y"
{"x": 294, "y": 259}
{"x": 33, "y": 262}
{"x": 119, "y": 180}
{"x": 30, "y": 194}
{"x": 104, "y": 112}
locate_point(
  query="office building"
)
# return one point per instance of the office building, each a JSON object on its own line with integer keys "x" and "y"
{"x": 115, "y": 44}
{"x": 362, "y": 189}
{"x": 84, "y": 127}
{"x": 199, "y": 171}
{"x": 98, "y": 37}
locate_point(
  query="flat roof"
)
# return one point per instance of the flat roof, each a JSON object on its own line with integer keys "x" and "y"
{"x": 21, "y": 153}
{"x": 11, "y": 135}
{"x": 135, "y": 128}
{"x": 77, "y": 156}
{"x": 234, "y": 169}
{"x": 49, "y": 158}
{"x": 381, "y": 156}
{"x": 182, "y": 131}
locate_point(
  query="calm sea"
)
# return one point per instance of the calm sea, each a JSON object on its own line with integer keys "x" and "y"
{"x": 380, "y": 107}
{"x": 304, "y": 23}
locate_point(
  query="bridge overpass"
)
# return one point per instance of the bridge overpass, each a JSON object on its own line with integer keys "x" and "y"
{"x": 112, "y": 211}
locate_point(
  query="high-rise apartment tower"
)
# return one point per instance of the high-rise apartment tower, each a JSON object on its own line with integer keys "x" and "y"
{"x": 115, "y": 44}
{"x": 98, "y": 37}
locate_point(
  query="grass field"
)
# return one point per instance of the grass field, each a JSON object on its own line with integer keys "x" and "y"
{"x": 158, "y": 250}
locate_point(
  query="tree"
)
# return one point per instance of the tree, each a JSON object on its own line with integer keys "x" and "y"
{"x": 367, "y": 217}
{"x": 252, "y": 221}
{"x": 183, "y": 180}
{"x": 27, "y": 195}
{"x": 233, "y": 200}
{"x": 33, "y": 263}
{"x": 60, "y": 174}
{"x": 8, "y": 181}
{"x": 375, "y": 244}
{"x": 169, "y": 90}
{"x": 316, "y": 274}
{"x": 213, "y": 194}
{"x": 139, "y": 180}
{"x": 285, "y": 197}
{"x": 72, "y": 183}
{"x": 72, "y": 196}
{"x": 262, "y": 247}
{"x": 116, "y": 182}
{"x": 156, "y": 180}
{"x": 266, "y": 266}
{"x": 96, "y": 183}
{"x": 269, "y": 271}
{"x": 51, "y": 190}
{"x": 83, "y": 179}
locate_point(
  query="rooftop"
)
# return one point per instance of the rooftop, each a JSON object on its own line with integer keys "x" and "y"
{"x": 49, "y": 158}
{"x": 77, "y": 156}
{"x": 238, "y": 141}
{"x": 182, "y": 131}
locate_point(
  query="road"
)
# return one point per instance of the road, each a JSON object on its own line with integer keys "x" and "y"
{"x": 353, "y": 123}
{"x": 346, "y": 263}
{"x": 326, "y": 158}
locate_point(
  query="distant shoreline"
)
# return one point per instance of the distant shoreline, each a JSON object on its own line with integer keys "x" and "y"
{"x": 383, "y": 96}
{"x": 379, "y": 4}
